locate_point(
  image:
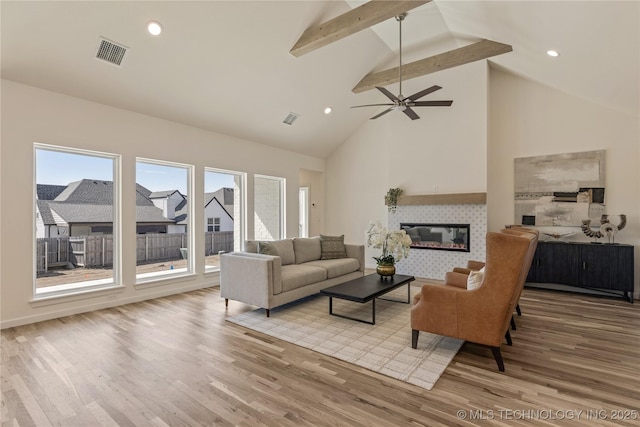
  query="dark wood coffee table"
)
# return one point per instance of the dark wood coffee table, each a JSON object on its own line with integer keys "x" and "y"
{"x": 367, "y": 288}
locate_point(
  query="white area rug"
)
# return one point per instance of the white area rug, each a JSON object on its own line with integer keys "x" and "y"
{"x": 384, "y": 347}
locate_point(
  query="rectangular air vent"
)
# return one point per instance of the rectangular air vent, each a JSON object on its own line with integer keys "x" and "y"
{"x": 111, "y": 52}
{"x": 290, "y": 118}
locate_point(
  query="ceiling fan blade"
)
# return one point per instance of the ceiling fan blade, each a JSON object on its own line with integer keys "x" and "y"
{"x": 432, "y": 104}
{"x": 381, "y": 114}
{"x": 373, "y": 105}
{"x": 388, "y": 94}
{"x": 423, "y": 92}
{"x": 412, "y": 114}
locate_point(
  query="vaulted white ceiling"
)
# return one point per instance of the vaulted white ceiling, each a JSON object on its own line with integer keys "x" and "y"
{"x": 225, "y": 65}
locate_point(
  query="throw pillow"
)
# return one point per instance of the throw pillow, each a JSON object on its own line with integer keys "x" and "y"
{"x": 267, "y": 248}
{"x": 475, "y": 279}
{"x": 332, "y": 247}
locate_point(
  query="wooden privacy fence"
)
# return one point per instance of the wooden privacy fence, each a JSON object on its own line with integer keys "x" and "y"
{"x": 51, "y": 252}
{"x": 97, "y": 250}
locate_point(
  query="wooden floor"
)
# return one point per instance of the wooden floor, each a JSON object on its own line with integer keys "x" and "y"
{"x": 175, "y": 361}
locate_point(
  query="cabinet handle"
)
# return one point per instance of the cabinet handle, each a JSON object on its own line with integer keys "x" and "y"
{"x": 584, "y": 265}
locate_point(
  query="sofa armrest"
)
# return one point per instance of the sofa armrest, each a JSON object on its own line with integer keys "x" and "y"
{"x": 249, "y": 278}
{"x": 357, "y": 252}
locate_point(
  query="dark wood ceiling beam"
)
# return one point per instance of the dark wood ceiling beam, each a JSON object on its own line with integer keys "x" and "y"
{"x": 453, "y": 58}
{"x": 351, "y": 22}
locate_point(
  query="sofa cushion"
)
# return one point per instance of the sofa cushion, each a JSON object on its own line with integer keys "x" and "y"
{"x": 336, "y": 267}
{"x": 298, "y": 275}
{"x": 307, "y": 249}
{"x": 267, "y": 248}
{"x": 332, "y": 247}
{"x": 283, "y": 247}
{"x": 251, "y": 246}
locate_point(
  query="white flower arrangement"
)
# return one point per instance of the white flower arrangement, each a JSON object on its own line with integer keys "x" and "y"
{"x": 394, "y": 244}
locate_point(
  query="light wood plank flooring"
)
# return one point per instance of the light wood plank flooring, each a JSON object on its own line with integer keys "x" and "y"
{"x": 174, "y": 361}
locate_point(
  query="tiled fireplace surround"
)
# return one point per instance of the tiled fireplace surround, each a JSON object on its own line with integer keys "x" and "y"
{"x": 433, "y": 264}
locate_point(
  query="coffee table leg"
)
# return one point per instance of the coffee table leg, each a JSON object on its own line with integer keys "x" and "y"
{"x": 373, "y": 311}
{"x": 330, "y": 305}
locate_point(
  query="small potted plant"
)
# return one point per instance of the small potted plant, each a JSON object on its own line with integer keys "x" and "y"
{"x": 391, "y": 199}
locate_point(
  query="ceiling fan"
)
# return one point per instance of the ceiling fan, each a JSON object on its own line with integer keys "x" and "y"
{"x": 399, "y": 103}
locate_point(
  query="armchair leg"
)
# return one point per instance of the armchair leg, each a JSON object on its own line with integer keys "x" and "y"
{"x": 518, "y": 310}
{"x": 508, "y": 337}
{"x": 513, "y": 323}
{"x": 268, "y": 312}
{"x": 226, "y": 302}
{"x": 498, "y": 356}
{"x": 414, "y": 338}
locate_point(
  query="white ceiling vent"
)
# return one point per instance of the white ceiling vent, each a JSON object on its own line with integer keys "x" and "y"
{"x": 290, "y": 118}
{"x": 110, "y": 51}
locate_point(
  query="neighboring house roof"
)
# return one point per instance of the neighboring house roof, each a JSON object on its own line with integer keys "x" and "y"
{"x": 48, "y": 191}
{"x": 162, "y": 194}
{"x": 45, "y": 212}
{"x": 74, "y": 213}
{"x": 90, "y": 201}
{"x": 224, "y": 197}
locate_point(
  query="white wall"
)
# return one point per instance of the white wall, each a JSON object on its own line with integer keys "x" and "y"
{"x": 33, "y": 115}
{"x": 444, "y": 151}
{"x": 528, "y": 119}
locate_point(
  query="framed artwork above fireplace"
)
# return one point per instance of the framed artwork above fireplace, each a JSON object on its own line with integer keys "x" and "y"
{"x": 444, "y": 237}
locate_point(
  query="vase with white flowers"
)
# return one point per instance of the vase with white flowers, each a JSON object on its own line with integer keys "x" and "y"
{"x": 395, "y": 245}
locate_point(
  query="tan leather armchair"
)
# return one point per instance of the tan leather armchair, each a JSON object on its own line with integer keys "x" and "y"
{"x": 459, "y": 275}
{"x": 481, "y": 315}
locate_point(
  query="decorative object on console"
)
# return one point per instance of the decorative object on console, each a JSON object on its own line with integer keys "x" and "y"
{"x": 607, "y": 229}
{"x": 557, "y": 236}
{"x": 394, "y": 244}
{"x": 391, "y": 199}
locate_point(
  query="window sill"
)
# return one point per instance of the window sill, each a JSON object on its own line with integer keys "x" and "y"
{"x": 59, "y": 296}
{"x": 149, "y": 280}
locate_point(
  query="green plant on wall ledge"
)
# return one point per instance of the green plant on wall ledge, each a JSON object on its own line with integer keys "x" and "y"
{"x": 391, "y": 199}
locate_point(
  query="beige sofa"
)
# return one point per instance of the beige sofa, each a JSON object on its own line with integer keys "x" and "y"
{"x": 297, "y": 271}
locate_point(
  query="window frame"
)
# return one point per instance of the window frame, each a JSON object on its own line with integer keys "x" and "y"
{"x": 150, "y": 278}
{"x": 76, "y": 288}
{"x": 240, "y": 213}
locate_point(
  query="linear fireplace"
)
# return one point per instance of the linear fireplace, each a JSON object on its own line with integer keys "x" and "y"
{"x": 444, "y": 237}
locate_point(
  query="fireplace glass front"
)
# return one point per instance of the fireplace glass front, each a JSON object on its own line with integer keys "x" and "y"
{"x": 445, "y": 237}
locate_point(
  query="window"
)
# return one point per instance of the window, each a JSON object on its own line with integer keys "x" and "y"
{"x": 76, "y": 211}
{"x": 224, "y": 210}
{"x": 213, "y": 224}
{"x": 163, "y": 215}
{"x": 269, "y": 209}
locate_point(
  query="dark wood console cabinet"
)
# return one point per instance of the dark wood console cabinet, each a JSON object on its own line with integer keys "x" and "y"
{"x": 606, "y": 267}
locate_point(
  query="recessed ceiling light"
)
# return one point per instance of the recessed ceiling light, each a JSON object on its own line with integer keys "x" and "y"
{"x": 328, "y": 110}
{"x": 154, "y": 28}
{"x": 553, "y": 53}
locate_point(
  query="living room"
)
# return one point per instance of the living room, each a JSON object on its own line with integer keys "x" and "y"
{"x": 497, "y": 116}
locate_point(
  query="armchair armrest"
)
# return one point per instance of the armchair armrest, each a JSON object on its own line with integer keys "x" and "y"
{"x": 461, "y": 270}
{"x": 453, "y": 278}
{"x": 475, "y": 265}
